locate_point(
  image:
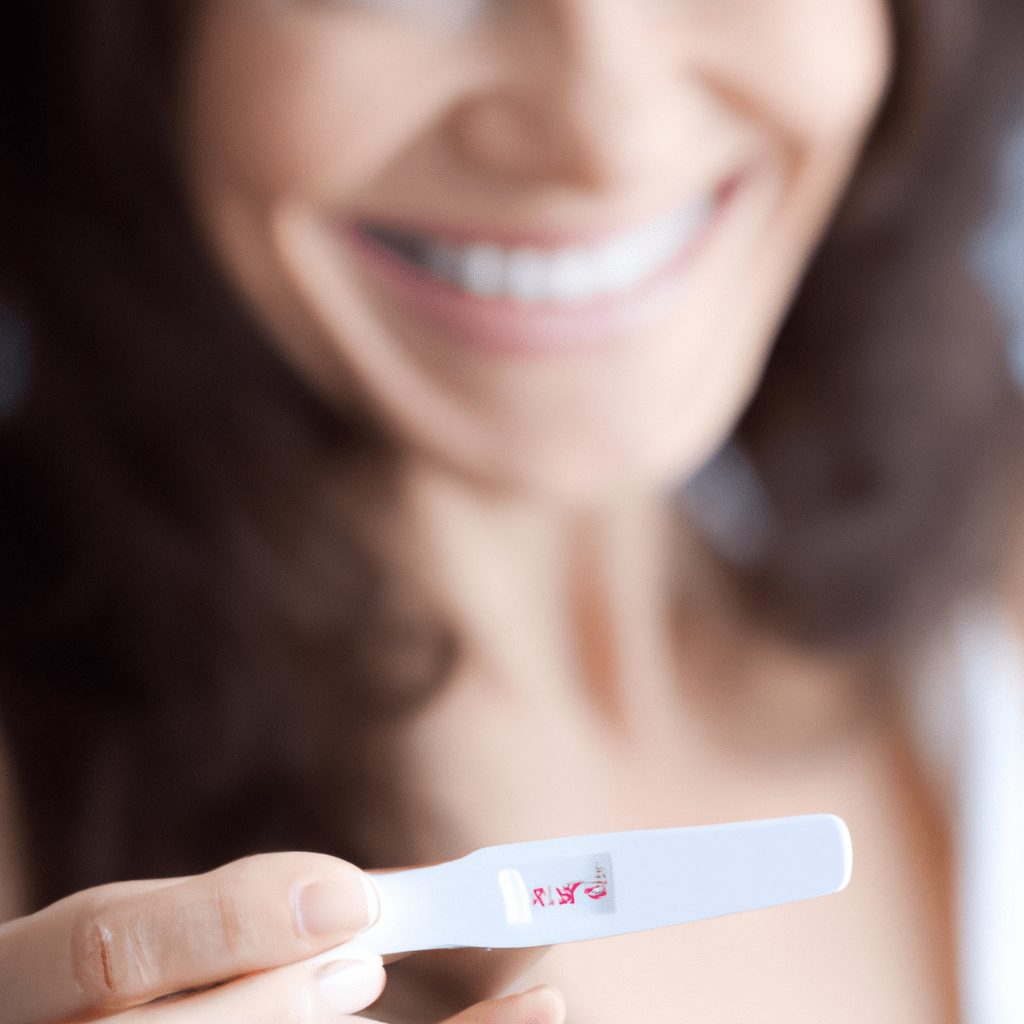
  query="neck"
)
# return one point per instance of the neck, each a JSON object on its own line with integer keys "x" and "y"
{"x": 543, "y": 596}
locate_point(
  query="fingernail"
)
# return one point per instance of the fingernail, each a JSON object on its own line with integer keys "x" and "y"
{"x": 336, "y": 906}
{"x": 351, "y": 985}
{"x": 372, "y": 899}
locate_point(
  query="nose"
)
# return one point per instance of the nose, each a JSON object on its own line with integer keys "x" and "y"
{"x": 584, "y": 93}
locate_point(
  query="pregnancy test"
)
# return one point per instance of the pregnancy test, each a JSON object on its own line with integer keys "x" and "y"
{"x": 587, "y": 887}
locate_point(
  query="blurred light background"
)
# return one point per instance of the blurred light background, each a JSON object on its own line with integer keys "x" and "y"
{"x": 997, "y": 253}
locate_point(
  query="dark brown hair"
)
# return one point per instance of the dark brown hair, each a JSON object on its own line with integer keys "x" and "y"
{"x": 882, "y": 427}
{"x": 199, "y": 589}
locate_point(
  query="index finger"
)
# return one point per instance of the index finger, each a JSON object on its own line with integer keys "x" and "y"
{"x": 122, "y": 945}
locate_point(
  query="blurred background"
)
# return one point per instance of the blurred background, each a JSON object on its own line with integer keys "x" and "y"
{"x": 998, "y": 250}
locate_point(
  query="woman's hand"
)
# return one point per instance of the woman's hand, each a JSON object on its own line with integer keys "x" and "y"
{"x": 244, "y": 929}
{"x": 115, "y": 947}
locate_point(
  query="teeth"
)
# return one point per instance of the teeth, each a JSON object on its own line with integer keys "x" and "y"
{"x": 526, "y": 274}
{"x": 483, "y": 270}
{"x": 443, "y": 261}
{"x": 565, "y": 275}
{"x": 571, "y": 275}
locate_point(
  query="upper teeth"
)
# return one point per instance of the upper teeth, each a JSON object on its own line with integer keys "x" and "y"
{"x": 563, "y": 275}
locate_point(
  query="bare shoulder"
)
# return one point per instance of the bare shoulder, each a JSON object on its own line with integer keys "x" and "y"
{"x": 12, "y": 873}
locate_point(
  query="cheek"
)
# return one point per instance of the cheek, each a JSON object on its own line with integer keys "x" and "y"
{"x": 816, "y": 68}
{"x": 847, "y": 48}
{"x": 288, "y": 101}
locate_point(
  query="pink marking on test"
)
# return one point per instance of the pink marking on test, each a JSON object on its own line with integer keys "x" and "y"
{"x": 567, "y": 894}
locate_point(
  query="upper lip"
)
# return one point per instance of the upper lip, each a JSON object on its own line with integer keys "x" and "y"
{"x": 539, "y": 238}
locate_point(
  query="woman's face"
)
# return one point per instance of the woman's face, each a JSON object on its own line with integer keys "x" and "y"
{"x": 549, "y": 241}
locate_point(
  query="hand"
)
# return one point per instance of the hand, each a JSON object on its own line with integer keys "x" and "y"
{"x": 137, "y": 952}
{"x": 278, "y": 997}
{"x": 105, "y": 952}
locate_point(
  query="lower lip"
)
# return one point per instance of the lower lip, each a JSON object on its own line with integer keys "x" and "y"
{"x": 501, "y": 326}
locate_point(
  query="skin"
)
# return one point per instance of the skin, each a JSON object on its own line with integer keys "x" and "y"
{"x": 553, "y": 119}
{"x": 107, "y": 953}
{"x": 537, "y": 482}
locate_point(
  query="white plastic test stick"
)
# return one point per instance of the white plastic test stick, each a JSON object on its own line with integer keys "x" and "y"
{"x": 587, "y": 887}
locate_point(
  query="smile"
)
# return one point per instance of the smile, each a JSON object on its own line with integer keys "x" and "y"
{"x": 572, "y": 275}
{"x": 533, "y": 297}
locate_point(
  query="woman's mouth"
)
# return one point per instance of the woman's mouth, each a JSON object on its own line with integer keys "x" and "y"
{"x": 532, "y": 299}
{"x": 576, "y": 274}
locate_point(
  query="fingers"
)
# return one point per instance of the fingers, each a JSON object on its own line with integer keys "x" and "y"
{"x": 316, "y": 994}
{"x": 301, "y": 993}
{"x": 541, "y": 1005}
{"x": 122, "y": 945}
{"x": 436, "y": 983}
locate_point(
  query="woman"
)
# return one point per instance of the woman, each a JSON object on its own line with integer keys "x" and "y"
{"x": 369, "y": 347}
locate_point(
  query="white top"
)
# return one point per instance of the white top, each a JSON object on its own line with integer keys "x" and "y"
{"x": 973, "y": 729}
{"x": 968, "y": 710}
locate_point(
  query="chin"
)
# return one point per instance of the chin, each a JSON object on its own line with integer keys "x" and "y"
{"x": 578, "y": 477}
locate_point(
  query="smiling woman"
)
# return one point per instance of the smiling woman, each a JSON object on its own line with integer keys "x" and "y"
{"x": 598, "y": 206}
{"x": 370, "y": 345}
